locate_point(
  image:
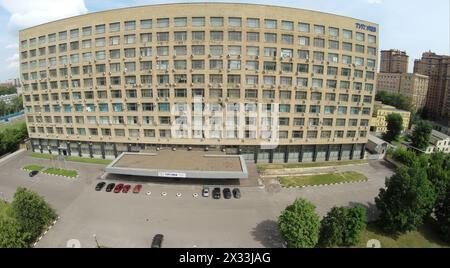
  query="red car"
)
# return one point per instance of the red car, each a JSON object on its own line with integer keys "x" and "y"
{"x": 137, "y": 189}
{"x": 126, "y": 188}
{"x": 118, "y": 188}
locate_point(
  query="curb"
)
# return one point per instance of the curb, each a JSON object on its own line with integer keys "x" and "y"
{"x": 29, "y": 170}
{"x": 324, "y": 185}
{"x": 45, "y": 232}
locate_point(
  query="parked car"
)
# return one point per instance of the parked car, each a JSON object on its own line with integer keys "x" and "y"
{"x": 157, "y": 241}
{"x": 216, "y": 193}
{"x": 205, "y": 192}
{"x": 226, "y": 193}
{"x": 236, "y": 193}
{"x": 110, "y": 187}
{"x": 126, "y": 188}
{"x": 100, "y": 186}
{"x": 33, "y": 173}
{"x": 137, "y": 188}
{"x": 118, "y": 188}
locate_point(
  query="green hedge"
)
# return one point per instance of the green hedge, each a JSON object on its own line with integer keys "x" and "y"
{"x": 63, "y": 172}
{"x": 321, "y": 179}
{"x": 33, "y": 167}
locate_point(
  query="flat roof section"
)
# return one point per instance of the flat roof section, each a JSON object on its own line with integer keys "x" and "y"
{"x": 180, "y": 164}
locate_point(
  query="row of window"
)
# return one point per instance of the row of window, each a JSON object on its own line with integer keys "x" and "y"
{"x": 196, "y": 22}
{"x": 182, "y": 107}
{"x": 198, "y": 92}
{"x": 213, "y": 134}
{"x": 198, "y": 36}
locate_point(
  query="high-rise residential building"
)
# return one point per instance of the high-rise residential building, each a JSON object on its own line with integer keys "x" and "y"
{"x": 414, "y": 86}
{"x": 273, "y": 84}
{"x": 394, "y": 61}
{"x": 437, "y": 67}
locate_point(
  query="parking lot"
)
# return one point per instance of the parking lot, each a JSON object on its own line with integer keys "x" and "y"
{"x": 131, "y": 220}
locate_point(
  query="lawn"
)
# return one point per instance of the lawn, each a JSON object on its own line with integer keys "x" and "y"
{"x": 88, "y": 160}
{"x": 320, "y": 179}
{"x": 424, "y": 237}
{"x": 63, "y": 172}
{"x": 74, "y": 159}
{"x": 33, "y": 167}
{"x": 12, "y": 124}
{"x": 5, "y": 209}
{"x": 262, "y": 167}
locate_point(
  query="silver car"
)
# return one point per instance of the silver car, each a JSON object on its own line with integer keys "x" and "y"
{"x": 205, "y": 192}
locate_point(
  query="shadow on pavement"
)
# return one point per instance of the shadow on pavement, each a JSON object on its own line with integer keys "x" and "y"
{"x": 267, "y": 233}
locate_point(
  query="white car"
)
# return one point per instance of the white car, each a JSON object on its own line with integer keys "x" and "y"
{"x": 205, "y": 192}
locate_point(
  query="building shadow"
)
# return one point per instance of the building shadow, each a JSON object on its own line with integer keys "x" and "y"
{"x": 266, "y": 232}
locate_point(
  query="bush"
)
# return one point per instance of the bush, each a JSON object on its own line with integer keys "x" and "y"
{"x": 11, "y": 235}
{"x": 409, "y": 158}
{"x": 443, "y": 217}
{"x": 300, "y": 225}
{"x": 10, "y": 138}
{"x": 408, "y": 198}
{"x": 31, "y": 212}
{"x": 343, "y": 226}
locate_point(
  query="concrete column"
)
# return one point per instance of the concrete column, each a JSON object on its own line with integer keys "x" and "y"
{"x": 286, "y": 154}
{"x": 40, "y": 146}
{"x": 327, "y": 156}
{"x": 340, "y": 152}
{"x": 352, "y": 151}
{"x": 115, "y": 149}
{"x": 57, "y": 145}
{"x": 129, "y": 147}
{"x": 363, "y": 151}
{"x": 79, "y": 149}
{"x": 102, "y": 148}
{"x": 271, "y": 155}
{"x": 32, "y": 145}
{"x": 91, "y": 153}
{"x": 68, "y": 148}
{"x": 315, "y": 154}
{"x": 256, "y": 154}
{"x": 300, "y": 154}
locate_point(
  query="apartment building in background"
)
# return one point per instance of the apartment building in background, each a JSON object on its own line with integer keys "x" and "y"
{"x": 379, "y": 123}
{"x": 239, "y": 78}
{"x": 412, "y": 85}
{"x": 437, "y": 68}
{"x": 394, "y": 61}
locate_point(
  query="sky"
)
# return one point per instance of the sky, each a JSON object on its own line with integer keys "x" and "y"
{"x": 414, "y": 26}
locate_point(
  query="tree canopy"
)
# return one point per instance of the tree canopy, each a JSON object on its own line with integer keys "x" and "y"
{"x": 394, "y": 127}
{"x": 421, "y": 134}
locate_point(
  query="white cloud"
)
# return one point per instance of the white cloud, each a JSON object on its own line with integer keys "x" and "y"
{"x": 12, "y": 46}
{"x": 27, "y": 13}
{"x": 13, "y": 62}
{"x": 374, "y": 1}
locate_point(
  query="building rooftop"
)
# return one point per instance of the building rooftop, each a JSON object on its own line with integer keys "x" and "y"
{"x": 439, "y": 135}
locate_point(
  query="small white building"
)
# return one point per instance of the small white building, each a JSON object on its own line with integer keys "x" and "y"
{"x": 377, "y": 146}
{"x": 438, "y": 142}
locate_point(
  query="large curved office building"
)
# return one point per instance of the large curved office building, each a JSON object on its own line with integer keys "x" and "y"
{"x": 273, "y": 84}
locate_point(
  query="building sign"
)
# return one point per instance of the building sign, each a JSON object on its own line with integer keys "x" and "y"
{"x": 172, "y": 174}
{"x": 366, "y": 27}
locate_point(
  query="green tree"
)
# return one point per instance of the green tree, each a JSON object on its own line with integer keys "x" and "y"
{"x": 31, "y": 212}
{"x": 439, "y": 173}
{"x": 355, "y": 225}
{"x": 421, "y": 135}
{"x": 394, "y": 127}
{"x": 11, "y": 235}
{"x": 443, "y": 216}
{"x": 343, "y": 226}
{"x": 299, "y": 224}
{"x": 407, "y": 199}
{"x": 397, "y": 100}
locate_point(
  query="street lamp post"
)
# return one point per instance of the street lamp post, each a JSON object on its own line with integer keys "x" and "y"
{"x": 96, "y": 242}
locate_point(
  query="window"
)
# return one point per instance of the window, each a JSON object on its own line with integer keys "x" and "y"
{"x": 130, "y": 39}
{"x": 114, "y": 27}
{"x": 162, "y": 51}
{"x": 252, "y": 37}
{"x": 332, "y": 57}
{"x": 146, "y": 24}
{"x": 303, "y": 40}
{"x": 287, "y": 39}
{"x": 360, "y": 37}
{"x": 198, "y": 36}
{"x": 216, "y": 35}
{"x": 347, "y": 46}
{"x": 252, "y": 23}
{"x": 234, "y": 36}
{"x": 359, "y": 61}
{"x": 319, "y": 29}
{"x": 346, "y": 59}
{"x": 371, "y": 51}
{"x": 216, "y": 21}
{"x": 347, "y": 34}
{"x": 216, "y": 50}
{"x": 162, "y": 36}
{"x": 317, "y": 83}
{"x": 100, "y": 42}
{"x": 359, "y": 48}
{"x": 162, "y": 23}
{"x": 303, "y": 54}
{"x": 235, "y": 22}
{"x": 62, "y": 36}
{"x": 180, "y": 36}
{"x": 333, "y": 31}
{"x": 319, "y": 56}
{"x": 180, "y": 22}
{"x": 51, "y": 39}
{"x": 130, "y": 25}
{"x": 198, "y": 21}
{"x": 333, "y": 44}
{"x": 270, "y": 37}
{"x": 372, "y": 39}
{"x": 87, "y": 31}
{"x": 287, "y": 25}
{"x": 114, "y": 40}
{"x": 303, "y": 27}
